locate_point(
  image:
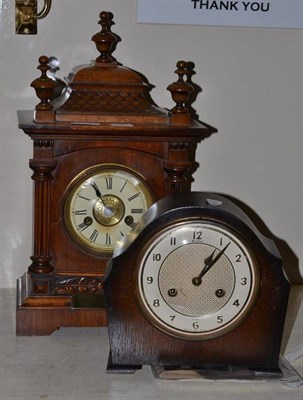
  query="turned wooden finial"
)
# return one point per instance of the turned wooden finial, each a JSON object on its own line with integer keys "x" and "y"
{"x": 106, "y": 40}
{"x": 180, "y": 90}
{"x": 44, "y": 86}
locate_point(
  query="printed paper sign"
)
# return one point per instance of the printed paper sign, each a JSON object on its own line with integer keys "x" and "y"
{"x": 258, "y": 13}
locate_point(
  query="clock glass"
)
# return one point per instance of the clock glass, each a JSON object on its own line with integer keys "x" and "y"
{"x": 197, "y": 280}
{"x": 102, "y": 204}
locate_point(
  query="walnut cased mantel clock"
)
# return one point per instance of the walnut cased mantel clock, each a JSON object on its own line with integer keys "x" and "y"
{"x": 103, "y": 153}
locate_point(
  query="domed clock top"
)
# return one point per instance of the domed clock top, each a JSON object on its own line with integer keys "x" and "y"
{"x": 106, "y": 91}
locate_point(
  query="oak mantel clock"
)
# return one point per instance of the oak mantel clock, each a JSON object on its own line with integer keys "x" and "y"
{"x": 195, "y": 284}
{"x": 103, "y": 153}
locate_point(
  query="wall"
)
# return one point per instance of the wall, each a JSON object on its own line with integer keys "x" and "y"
{"x": 252, "y": 93}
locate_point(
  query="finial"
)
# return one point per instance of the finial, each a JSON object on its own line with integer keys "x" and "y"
{"x": 180, "y": 89}
{"x": 44, "y": 86}
{"x": 106, "y": 40}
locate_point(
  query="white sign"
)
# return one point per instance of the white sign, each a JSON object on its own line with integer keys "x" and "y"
{"x": 258, "y": 13}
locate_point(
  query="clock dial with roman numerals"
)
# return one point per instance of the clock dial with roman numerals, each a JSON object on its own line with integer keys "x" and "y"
{"x": 103, "y": 204}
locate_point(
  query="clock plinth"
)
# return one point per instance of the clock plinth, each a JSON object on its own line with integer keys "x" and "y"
{"x": 70, "y": 305}
{"x": 103, "y": 152}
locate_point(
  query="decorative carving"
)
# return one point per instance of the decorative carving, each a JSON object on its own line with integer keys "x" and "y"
{"x": 44, "y": 143}
{"x": 40, "y": 286}
{"x": 44, "y": 86}
{"x": 105, "y": 90}
{"x": 178, "y": 146}
{"x": 108, "y": 101}
{"x": 78, "y": 285}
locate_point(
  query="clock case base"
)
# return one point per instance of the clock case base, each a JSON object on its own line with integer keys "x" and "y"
{"x": 205, "y": 372}
{"x": 216, "y": 373}
{"x": 43, "y": 314}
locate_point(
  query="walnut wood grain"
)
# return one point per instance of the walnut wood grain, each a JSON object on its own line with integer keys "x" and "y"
{"x": 104, "y": 115}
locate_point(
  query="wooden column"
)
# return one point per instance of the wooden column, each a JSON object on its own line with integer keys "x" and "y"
{"x": 41, "y": 259}
{"x": 177, "y": 167}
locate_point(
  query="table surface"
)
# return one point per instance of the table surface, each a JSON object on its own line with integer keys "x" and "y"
{"x": 70, "y": 365}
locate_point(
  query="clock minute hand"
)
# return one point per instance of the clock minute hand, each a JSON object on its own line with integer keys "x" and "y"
{"x": 209, "y": 262}
{"x": 108, "y": 212}
{"x": 218, "y": 256}
{"x": 95, "y": 187}
{"x": 98, "y": 193}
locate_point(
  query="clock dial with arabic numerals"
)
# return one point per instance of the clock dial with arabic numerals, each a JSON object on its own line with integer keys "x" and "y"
{"x": 197, "y": 280}
{"x": 103, "y": 204}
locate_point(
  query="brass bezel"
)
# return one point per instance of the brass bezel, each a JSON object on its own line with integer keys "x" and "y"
{"x": 72, "y": 188}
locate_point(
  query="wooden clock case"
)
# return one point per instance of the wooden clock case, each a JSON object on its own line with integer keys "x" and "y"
{"x": 104, "y": 115}
{"x": 253, "y": 345}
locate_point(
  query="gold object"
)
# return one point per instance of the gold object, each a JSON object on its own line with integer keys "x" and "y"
{"x": 27, "y": 15}
{"x": 102, "y": 204}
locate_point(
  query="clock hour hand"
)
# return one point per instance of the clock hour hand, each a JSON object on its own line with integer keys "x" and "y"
{"x": 209, "y": 262}
{"x": 108, "y": 212}
{"x": 213, "y": 261}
